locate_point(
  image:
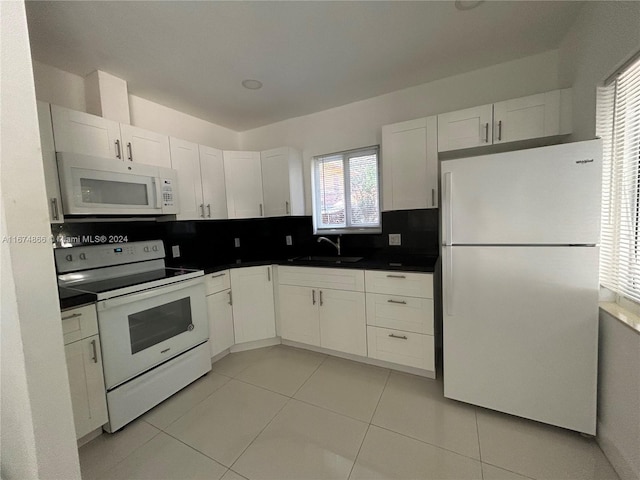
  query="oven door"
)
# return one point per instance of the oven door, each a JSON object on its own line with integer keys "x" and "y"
{"x": 144, "y": 329}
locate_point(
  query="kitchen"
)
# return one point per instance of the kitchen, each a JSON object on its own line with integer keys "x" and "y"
{"x": 577, "y": 60}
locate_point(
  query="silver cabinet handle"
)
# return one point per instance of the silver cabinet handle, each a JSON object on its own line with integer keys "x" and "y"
{"x": 95, "y": 351}
{"x": 500, "y": 130}
{"x": 486, "y": 132}
{"x": 209, "y": 209}
{"x": 321, "y": 302}
{"x": 54, "y": 206}
{"x": 230, "y": 298}
{"x": 313, "y": 296}
{"x": 268, "y": 274}
{"x": 129, "y": 151}
{"x": 261, "y": 210}
{"x": 118, "y": 149}
{"x": 218, "y": 275}
{"x": 401, "y": 337}
{"x": 286, "y": 207}
{"x": 202, "y": 210}
{"x": 399, "y": 302}
{"x": 396, "y": 276}
{"x": 433, "y": 197}
{"x": 73, "y": 315}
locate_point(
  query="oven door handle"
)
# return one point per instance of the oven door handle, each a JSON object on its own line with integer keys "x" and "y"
{"x": 152, "y": 292}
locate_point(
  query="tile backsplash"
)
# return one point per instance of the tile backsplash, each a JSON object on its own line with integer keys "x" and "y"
{"x": 213, "y": 242}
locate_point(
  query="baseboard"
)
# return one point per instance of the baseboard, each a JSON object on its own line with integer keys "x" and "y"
{"x": 267, "y": 342}
{"x": 89, "y": 436}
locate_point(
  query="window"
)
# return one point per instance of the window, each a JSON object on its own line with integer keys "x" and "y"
{"x": 619, "y": 127}
{"x": 346, "y": 192}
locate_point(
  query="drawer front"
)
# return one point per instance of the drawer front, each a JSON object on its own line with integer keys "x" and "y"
{"x": 79, "y": 323}
{"x": 332, "y": 278}
{"x": 410, "y": 314}
{"x": 399, "y": 283}
{"x": 404, "y": 348}
{"x": 217, "y": 282}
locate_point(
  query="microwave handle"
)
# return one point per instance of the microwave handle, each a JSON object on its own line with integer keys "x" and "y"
{"x": 156, "y": 183}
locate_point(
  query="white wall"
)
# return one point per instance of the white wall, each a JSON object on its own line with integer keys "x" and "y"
{"x": 619, "y": 396}
{"x": 359, "y": 124}
{"x": 68, "y": 90}
{"x": 38, "y": 434}
{"x": 603, "y": 37}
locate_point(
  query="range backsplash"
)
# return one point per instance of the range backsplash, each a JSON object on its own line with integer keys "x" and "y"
{"x": 212, "y": 242}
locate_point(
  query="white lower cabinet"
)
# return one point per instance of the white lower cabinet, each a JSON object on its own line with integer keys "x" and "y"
{"x": 403, "y": 348}
{"x": 343, "y": 322}
{"x": 253, "y": 304}
{"x": 84, "y": 366}
{"x": 299, "y": 316}
{"x": 219, "y": 311}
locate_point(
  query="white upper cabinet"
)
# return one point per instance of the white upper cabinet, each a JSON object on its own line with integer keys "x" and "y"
{"x": 214, "y": 193}
{"x": 243, "y": 179}
{"x": 410, "y": 165}
{"x": 144, "y": 146}
{"x": 185, "y": 158}
{"x": 282, "y": 182}
{"x": 52, "y": 186}
{"x": 467, "y": 128}
{"x": 535, "y": 116}
{"x": 87, "y": 134}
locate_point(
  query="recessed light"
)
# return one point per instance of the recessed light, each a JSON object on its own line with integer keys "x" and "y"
{"x": 252, "y": 84}
{"x": 467, "y": 4}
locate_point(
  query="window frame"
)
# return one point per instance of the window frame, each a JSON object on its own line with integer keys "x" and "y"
{"x": 349, "y": 228}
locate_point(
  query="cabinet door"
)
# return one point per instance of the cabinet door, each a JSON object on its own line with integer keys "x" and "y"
{"x": 465, "y": 128}
{"x": 86, "y": 383}
{"x": 220, "y": 322}
{"x": 51, "y": 184}
{"x": 343, "y": 321}
{"x": 80, "y": 132}
{"x": 410, "y": 165}
{"x": 214, "y": 192}
{"x": 299, "y": 314}
{"x": 275, "y": 182}
{"x": 144, "y": 146}
{"x": 253, "y": 305}
{"x": 534, "y": 116}
{"x": 186, "y": 160}
{"x": 243, "y": 175}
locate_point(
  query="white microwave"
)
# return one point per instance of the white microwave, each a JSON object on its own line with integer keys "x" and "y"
{"x": 99, "y": 186}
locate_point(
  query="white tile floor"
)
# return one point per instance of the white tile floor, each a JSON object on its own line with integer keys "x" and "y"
{"x": 284, "y": 413}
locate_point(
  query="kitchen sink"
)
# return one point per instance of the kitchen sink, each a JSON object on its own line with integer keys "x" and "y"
{"x": 314, "y": 258}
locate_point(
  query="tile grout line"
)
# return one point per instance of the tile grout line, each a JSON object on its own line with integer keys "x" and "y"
{"x": 386, "y": 382}
{"x": 309, "y": 377}
{"x": 510, "y": 471}
{"x": 355, "y": 460}
{"x": 196, "y": 450}
{"x": 475, "y": 414}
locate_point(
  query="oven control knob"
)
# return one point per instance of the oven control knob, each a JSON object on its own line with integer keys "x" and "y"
{"x": 155, "y": 248}
{"x": 146, "y": 249}
{"x": 83, "y": 256}
{"x": 69, "y": 258}
{"x": 191, "y": 327}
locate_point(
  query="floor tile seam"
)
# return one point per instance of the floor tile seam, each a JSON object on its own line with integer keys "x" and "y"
{"x": 164, "y": 429}
{"x": 510, "y": 470}
{"x": 199, "y": 451}
{"x": 232, "y": 470}
{"x": 355, "y": 460}
{"x": 102, "y": 472}
{"x": 262, "y": 388}
{"x": 258, "y": 434}
{"x": 426, "y": 443}
{"x": 309, "y": 377}
{"x": 475, "y": 414}
{"x": 330, "y": 411}
{"x": 250, "y": 363}
{"x": 386, "y": 382}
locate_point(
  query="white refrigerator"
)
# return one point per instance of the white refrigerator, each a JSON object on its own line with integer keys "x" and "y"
{"x": 520, "y": 234}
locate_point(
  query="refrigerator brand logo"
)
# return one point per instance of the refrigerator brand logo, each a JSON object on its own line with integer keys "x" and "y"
{"x": 588, "y": 160}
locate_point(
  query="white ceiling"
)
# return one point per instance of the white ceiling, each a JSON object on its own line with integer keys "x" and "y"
{"x": 193, "y": 56}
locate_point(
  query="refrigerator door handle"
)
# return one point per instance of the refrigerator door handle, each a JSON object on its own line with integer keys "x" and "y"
{"x": 447, "y": 217}
{"x": 448, "y": 276}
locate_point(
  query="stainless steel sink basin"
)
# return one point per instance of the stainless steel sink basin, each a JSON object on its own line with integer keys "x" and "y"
{"x": 313, "y": 258}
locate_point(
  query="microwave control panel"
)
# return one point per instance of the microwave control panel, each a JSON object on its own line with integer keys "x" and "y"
{"x": 167, "y": 192}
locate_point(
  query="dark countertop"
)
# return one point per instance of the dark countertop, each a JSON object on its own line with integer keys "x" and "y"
{"x": 419, "y": 263}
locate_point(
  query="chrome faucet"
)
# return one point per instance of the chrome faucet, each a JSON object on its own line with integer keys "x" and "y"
{"x": 335, "y": 244}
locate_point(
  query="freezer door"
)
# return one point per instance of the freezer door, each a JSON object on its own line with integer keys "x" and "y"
{"x": 548, "y": 195}
{"x": 520, "y": 331}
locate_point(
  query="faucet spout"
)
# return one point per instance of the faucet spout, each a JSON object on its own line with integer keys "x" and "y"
{"x": 335, "y": 244}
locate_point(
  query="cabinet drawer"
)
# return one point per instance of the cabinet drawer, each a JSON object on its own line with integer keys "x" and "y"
{"x": 332, "y": 278}
{"x": 217, "y": 282}
{"x": 79, "y": 323}
{"x": 404, "y": 348}
{"x": 399, "y": 283}
{"x": 410, "y": 314}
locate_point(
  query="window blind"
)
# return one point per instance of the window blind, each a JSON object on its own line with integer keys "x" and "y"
{"x": 619, "y": 126}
